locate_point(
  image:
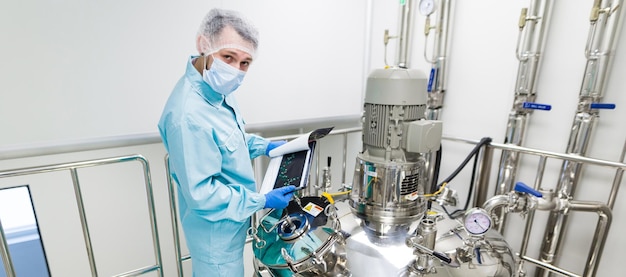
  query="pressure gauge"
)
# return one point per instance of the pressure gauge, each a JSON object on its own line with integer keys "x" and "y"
{"x": 427, "y": 7}
{"x": 477, "y": 221}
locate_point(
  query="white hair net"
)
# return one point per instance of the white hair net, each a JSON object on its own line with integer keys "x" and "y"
{"x": 227, "y": 29}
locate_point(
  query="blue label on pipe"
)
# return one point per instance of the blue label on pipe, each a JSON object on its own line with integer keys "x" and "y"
{"x": 430, "y": 80}
{"x": 602, "y": 106}
{"x": 535, "y": 106}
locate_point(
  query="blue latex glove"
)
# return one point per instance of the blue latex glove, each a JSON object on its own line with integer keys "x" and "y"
{"x": 279, "y": 198}
{"x": 274, "y": 144}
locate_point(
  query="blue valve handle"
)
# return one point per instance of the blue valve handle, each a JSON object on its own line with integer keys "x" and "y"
{"x": 536, "y": 106}
{"x": 602, "y": 106}
{"x": 431, "y": 78}
{"x": 521, "y": 187}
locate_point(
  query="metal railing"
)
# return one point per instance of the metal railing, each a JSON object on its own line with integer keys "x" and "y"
{"x": 72, "y": 168}
{"x": 42, "y": 149}
{"x": 602, "y": 209}
{"x": 480, "y": 196}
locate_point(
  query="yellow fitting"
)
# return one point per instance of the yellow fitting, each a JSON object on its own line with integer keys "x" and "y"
{"x": 437, "y": 192}
{"x": 329, "y": 197}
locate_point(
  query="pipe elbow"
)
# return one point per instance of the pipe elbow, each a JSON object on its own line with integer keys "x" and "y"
{"x": 495, "y": 202}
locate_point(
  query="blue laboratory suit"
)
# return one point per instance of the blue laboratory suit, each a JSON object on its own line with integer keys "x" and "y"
{"x": 210, "y": 157}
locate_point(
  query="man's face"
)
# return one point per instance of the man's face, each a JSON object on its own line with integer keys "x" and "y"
{"x": 234, "y": 57}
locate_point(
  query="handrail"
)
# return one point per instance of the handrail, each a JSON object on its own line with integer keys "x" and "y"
{"x": 72, "y": 167}
{"x": 602, "y": 209}
{"x": 550, "y": 154}
{"x": 69, "y": 146}
{"x": 41, "y": 149}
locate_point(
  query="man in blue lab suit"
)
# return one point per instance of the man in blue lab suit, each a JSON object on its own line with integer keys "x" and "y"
{"x": 209, "y": 150}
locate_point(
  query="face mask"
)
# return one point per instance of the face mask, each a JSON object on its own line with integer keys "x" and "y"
{"x": 222, "y": 77}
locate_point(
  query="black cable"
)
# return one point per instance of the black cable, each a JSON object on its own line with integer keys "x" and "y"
{"x": 474, "y": 153}
{"x": 433, "y": 186}
{"x": 460, "y": 212}
{"x": 483, "y": 142}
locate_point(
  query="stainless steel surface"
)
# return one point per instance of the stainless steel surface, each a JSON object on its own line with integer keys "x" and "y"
{"x": 171, "y": 190}
{"x": 481, "y": 185}
{"x": 534, "y": 22}
{"x": 405, "y": 34}
{"x": 605, "y": 22}
{"x": 72, "y": 168}
{"x": 393, "y": 259}
{"x": 600, "y": 235}
{"x": 388, "y": 195}
{"x": 617, "y": 180}
{"x": 438, "y": 59}
{"x": 549, "y": 267}
{"x": 138, "y": 272}
{"x": 83, "y": 221}
{"x": 437, "y": 80}
{"x": 530, "y": 217}
{"x": 602, "y": 210}
{"x": 297, "y": 242}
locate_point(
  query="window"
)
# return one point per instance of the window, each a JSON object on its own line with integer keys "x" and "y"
{"x": 19, "y": 223}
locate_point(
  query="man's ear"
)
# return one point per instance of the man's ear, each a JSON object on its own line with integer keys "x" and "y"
{"x": 201, "y": 44}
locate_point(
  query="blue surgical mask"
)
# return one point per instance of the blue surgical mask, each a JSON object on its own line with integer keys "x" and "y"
{"x": 222, "y": 77}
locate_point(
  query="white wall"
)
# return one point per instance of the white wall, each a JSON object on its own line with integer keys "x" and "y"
{"x": 74, "y": 69}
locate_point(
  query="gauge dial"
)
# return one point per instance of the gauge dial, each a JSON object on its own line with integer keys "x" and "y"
{"x": 427, "y": 7}
{"x": 477, "y": 221}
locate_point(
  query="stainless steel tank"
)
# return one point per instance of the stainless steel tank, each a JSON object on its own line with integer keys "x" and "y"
{"x": 487, "y": 254}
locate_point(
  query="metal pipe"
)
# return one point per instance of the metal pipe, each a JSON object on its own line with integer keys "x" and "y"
{"x": 548, "y": 266}
{"x": 72, "y": 167}
{"x": 495, "y": 202}
{"x": 617, "y": 180}
{"x": 548, "y": 154}
{"x": 139, "y": 271}
{"x": 533, "y": 24}
{"x": 152, "y": 212}
{"x": 83, "y": 222}
{"x": 437, "y": 85}
{"x": 482, "y": 180}
{"x": 405, "y": 34}
{"x": 531, "y": 214}
{"x": 437, "y": 82}
{"x": 174, "y": 216}
{"x": 600, "y": 235}
{"x": 605, "y": 22}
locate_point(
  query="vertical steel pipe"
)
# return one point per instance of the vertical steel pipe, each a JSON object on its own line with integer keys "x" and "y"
{"x": 600, "y": 235}
{"x": 541, "y": 168}
{"x": 482, "y": 176}
{"x": 83, "y": 222}
{"x": 605, "y": 23}
{"x": 405, "y": 36}
{"x": 533, "y": 24}
{"x": 437, "y": 85}
{"x": 152, "y": 211}
{"x": 174, "y": 216}
{"x": 437, "y": 81}
{"x": 617, "y": 180}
